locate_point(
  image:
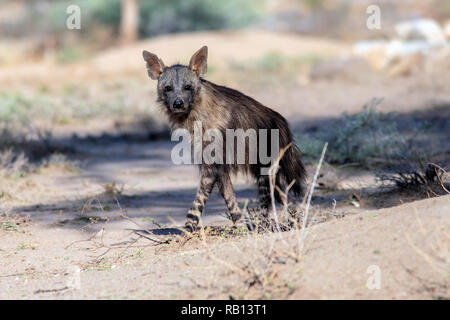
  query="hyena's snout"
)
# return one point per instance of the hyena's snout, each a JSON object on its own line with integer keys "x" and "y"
{"x": 178, "y": 104}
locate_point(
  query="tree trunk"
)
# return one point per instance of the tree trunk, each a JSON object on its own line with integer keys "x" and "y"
{"x": 129, "y": 24}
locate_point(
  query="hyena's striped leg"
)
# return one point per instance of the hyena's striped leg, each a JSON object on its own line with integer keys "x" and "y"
{"x": 227, "y": 192}
{"x": 264, "y": 192}
{"x": 206, "y": 185}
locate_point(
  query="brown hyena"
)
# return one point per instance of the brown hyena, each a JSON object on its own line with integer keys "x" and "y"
{"x": 187, "y": 98}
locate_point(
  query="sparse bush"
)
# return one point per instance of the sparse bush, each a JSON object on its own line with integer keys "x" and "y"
{"x": 17, "y": 135}
{"x": 75, "y": 103}
{"x": 21, "y": 141}
{"x": 290, "y": 219}
{"x": 366, "y": 137}
{"x": 430, "y": 178}
{"x": 59, "y": 161}
{"x": 13, "y": 133}
{"x": 371, "y": 139}
{"x": 12, "y": 163}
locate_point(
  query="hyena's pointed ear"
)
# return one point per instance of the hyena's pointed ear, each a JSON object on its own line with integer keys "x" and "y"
{"x": 198, "y": 61}
{"x": 155, "y": 66}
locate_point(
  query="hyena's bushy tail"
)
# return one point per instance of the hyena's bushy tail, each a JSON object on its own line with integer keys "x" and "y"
{"x": 291, "y": 168}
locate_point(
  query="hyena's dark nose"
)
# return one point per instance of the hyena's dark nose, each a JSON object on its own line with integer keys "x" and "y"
{"x": 178, "y": 104}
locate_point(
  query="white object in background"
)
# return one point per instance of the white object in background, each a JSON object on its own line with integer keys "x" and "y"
{"x": 421, "y": 29}
{"x": 399, "y": 48}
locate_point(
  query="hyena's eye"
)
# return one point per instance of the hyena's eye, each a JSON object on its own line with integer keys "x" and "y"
{"x": 167, "y": 88}
{"x": 187, "y": 87}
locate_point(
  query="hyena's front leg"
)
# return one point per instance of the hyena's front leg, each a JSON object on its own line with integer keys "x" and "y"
{"x": 207, "y": 182}
{"x": 227, "y": 192}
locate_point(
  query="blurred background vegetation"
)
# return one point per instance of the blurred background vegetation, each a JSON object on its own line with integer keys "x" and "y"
{"x": 279, "y": 51}
{"x": 101, "y": 20}
{"x": 105, "y": 23}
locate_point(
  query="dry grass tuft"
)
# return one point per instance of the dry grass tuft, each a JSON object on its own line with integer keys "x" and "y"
{"x": 429, "y": 179}
{"x": 12, "y": 163}
{"x": 290, "y": 219}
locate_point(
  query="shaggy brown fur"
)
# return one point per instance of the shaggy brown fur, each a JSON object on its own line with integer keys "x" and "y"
{"x": 186, "y": 98}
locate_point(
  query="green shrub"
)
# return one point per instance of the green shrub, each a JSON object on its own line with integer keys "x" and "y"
{"x": 365, "y": 137}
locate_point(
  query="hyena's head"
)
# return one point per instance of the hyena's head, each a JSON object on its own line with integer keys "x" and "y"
{"x": 178, "y": 86}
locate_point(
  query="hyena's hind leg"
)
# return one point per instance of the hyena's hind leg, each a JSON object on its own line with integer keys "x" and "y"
{"x": 207, "y": 183}
{"x": 227, "y": 192}
{"x": 264, "y": 197}
{"x": 264, "y": 192}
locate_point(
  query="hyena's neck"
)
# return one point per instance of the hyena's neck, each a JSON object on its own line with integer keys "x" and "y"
{"x": 208, "y": 108}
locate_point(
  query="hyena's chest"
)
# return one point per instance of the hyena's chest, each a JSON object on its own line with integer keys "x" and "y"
{"x": 206, "y": 140}
{"x": 203, "y": 128}
{"x": 210, "y": 143}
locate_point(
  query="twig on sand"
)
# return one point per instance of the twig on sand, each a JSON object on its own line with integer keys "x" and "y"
{"x": 98, "y": 239}
{"x": 124, "y": 216}
{"x": 137, "y": 232}
{"x": 439, "y": 176}
{"x": 50, "y": 290}
{"x": 86, "y": 240}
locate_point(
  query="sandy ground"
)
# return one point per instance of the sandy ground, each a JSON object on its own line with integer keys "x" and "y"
{"x": 78, "y": 233}
{"x": 408, "y": 244}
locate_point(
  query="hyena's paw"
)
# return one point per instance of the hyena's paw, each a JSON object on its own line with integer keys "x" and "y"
{"x": 236, "y": 216}
{"x": 264, "y": 210}
{"x": 190, "y": 227}
{"x": 192, "y": 220}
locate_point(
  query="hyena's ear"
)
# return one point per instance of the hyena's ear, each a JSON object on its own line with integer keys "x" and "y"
{"x": 155, "y": 66}
{"x": 198, "y": 61}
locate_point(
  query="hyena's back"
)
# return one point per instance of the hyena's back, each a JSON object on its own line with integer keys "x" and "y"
{"x": 235, "y": 110}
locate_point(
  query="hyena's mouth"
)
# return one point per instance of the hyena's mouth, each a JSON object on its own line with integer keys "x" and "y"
{"x": 180, "y": 111}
